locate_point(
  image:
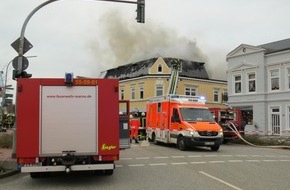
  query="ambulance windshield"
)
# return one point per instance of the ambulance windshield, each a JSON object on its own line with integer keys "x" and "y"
{"x": 196, "y": 114}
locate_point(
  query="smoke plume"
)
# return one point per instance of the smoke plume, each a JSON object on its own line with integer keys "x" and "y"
{"x": 122, "y": 42}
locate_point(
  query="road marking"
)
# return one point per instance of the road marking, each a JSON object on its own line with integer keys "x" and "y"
{"x": 179, "y": 163}
{"x": 161, "y": 157}
{"x": 256, "y": 155}
{"x": 158, "y": 164}
{"x": 211, "y": 155}
{"x": 177, "y": 156}
{"x": 194, "y": 156}
{"x": 220, "y": 180}
{"x": 197, "y": 162}
{"x": 269, "y": 160}
{"x": 142, "y": 158}
{"x": 252, "y": 160}
{"x": 119, "y": 166}
{"x": 235, "y": 160}
{"x": 284, "y": 160}
{"x": 125, "y": 158}
{"x": 215, "y": 162}
{"x": 241, "y": 155}
{"x": 227, "y": 155}
{"x": 136, "y": 165}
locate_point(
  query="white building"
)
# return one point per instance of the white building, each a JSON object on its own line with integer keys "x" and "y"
{"x": 259, "y": 84}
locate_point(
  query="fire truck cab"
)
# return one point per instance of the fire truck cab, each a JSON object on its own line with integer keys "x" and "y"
{"x": 182, "y": 120}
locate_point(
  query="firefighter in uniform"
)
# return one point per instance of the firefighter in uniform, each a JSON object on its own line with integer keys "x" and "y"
{"x": 134, "y": 127}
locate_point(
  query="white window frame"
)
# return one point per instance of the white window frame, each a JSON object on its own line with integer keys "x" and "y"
{"x": 287, "y": 117}
{"x": 159, "y": 87}
{"x": 191, "y": 89}
{"x": 141, "y": 89}
{"x": 287, "y": 78}
{"x": 250, "y": 80}
{"x": 216, "y": 92}
{"x": 234, "y": 83}
{"x": 133, "y": 93}
{"x": 270, "y": 79}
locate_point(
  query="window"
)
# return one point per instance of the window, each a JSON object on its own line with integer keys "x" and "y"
{"x": 122, "y": 94}
{"x": 159, "y": 90}
{"x": 288, "y": 114}
{"x": 216, "y": 95}
{"x": 238, "y": 83}
{"x": 191, "y": 91}
{"x": 141, "y": 92}
{"x": 288, "y": 69}
{"x": 252, "y": 82}
{"x": 159, "y": 69}
{"x": 274, "y": 79}
{"x": 132, "y": 93}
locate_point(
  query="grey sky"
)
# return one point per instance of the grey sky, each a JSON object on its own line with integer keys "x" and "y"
{"x": 86, "y": 36}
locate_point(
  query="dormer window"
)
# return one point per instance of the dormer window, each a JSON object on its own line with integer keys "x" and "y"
{"x": 159, "y": 69}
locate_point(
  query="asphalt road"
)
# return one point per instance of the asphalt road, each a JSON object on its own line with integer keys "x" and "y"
{"x": 233, "y": 167}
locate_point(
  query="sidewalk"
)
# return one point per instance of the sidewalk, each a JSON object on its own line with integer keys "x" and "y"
{"x": 7, "y": 163}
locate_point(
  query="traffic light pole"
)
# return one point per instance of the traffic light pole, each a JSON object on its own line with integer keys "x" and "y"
{"x": 21, "y": 42}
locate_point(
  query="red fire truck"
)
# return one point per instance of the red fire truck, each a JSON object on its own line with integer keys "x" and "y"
{"x": 223, "y": 116}
{"x": 62, "y": 125}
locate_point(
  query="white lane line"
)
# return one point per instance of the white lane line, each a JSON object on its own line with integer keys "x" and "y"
{"x": 220, "y": 180}
{"x": 256, "y": 155}
{"x": 119, "y": 166}
{"x": 235, "y": 160}
{"x": 125, "y": 158}
{"x": 269, "y": 160}
{"x": 227, "y": 155}
{"x": 194, "y": 156}
{"x": 158, "y": 164}
{"x": 142, "y": 158}
{"x": 216, "y": 162}
{"x": 161, "y": 157}
{"x": 211, "y": 155}
{"x": 284, "y": 160}
{"x": 198, "y": 162}
{"x": 136, "y": 165}
{"x": 179, "y": 163}
{"x": 252, "y": 160}
{"x": 177, "y": 156}
{"x": 241, "y": 155}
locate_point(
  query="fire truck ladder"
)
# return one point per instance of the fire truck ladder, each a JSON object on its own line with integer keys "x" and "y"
{"x": 174, "y": 76}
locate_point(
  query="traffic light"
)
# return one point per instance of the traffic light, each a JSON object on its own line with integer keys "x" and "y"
{"x": 23, "y": 74}
{"x": 140, "y": 11}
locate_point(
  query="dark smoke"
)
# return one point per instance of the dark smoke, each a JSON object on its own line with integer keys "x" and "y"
{"x": 127, "y": 42}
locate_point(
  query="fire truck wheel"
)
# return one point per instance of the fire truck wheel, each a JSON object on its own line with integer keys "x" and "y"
{"x": 215, "y": 148}
{"x": 109, "y": 172}
{"x": 181, "y": 143}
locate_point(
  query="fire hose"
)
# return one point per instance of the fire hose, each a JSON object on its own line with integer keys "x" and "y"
{"x": 234, "y": 129}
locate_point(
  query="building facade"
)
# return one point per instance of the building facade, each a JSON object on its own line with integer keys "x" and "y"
{"x": 259, "y": 84}
{"x": 148, "y": 78}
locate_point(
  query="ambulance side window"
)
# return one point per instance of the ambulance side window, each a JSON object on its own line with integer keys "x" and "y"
{"x": 175, "y": 116}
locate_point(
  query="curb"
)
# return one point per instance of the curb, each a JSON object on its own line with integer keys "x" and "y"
{"x": 8, "y": 173}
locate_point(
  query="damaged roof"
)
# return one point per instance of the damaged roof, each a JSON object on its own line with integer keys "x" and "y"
{"x": 190, "y": 69}
{"x": 277, "y": 46}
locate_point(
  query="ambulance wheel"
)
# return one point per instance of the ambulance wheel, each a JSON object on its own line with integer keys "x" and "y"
{"x": 215, "y": 148}
{"x": 181, "y": 143}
